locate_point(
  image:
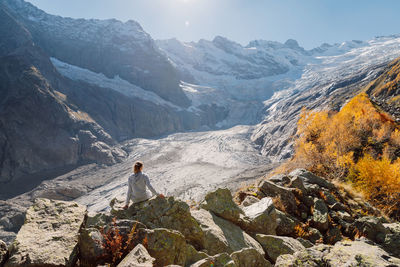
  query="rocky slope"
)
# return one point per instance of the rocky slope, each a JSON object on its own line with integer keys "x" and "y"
{"x": 295, "y": 220}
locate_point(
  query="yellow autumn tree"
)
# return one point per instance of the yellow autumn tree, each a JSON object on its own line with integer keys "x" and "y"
{"x": 359, "y": 143}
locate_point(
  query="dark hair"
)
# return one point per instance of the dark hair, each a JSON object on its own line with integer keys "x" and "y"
{"x": 137, "y": 166}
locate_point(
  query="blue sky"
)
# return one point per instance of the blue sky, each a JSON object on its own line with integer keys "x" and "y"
{"x": 310, "y": 22}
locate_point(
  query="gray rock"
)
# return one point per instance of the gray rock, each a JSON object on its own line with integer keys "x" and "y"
{"x": 280, "y": 179}
{"x": 169, "y": 247}
{"x": 260, "y": 217}
{"x": 222, "y": 235}
{"x": 3, "y": 252}
{"x": 297, "y": 182}
{"x": 285, "y": 195}
{"x": 285, "y": 223}
{"x": 163, "y": 213}
{"x": 49, "y": 236}
{"x": 219, "y": 260}
{"x": 249, "y": 200}
{"x": 339, "y": 207}
{"x": 274, "y": 246}
{"x": 329, "y": 198}
{"x": 220, "y": 203}
{"x": 320, "y": 215}
{"x": 372, "y": 228}
{"x": 138, "y": 257}
{"x": 305, "y": 243}
{"x": 392, "y": 244}
{"x": 345, "y": 253}
{"x": 249, "y": 257}
{"x": 311, "y": 178}
{"x": 359, "y": 253}
{"x": 311, "y": 257}
{"x": 315, "y": 235}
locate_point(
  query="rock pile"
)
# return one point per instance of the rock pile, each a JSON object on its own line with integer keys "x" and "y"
{"x": 294, "y": 220}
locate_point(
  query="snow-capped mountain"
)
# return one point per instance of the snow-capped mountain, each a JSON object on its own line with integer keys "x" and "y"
{"x": 109, "y": 46}
{"x": 283, "y": 77}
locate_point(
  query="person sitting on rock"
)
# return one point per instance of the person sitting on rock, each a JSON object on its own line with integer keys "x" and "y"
{"x": 137, "y": 183}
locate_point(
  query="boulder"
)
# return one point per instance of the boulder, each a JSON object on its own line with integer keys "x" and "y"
{"x": 329, "y": 198}
{"x": 219, "y": 260}
{"x": 164, "y": 213}
{"x": 344, "y": 253}
{"x": 138, "y": 257}
{"x": 3, "y": 252}
{"x": 297, "y": 182}
{"x": 91, "y": 240}
{"x": 220, "y": 202}
{"x": 49, "y": 236}
{"x": 333, "y": 235}
{"x": 359, "y": 253}
{"x": 280, "y": 179}
{"x": 249, "y": 257}
{"x": 392, "y": 244}
{"x": 222, "y": 235}
{"x": 320, "y": 215}
{"x": 260, "y": 217}
{"x": 285, "y": 223}
{"x": 314, "y": 235}
{"x": 372, "y": 228}
{"x": 305, "y": 243}
{"x": 310, "y": 178}
{"x": 285, "y": 195}
{"x": 311, "y": 257}
{"x": 169, "y": 247}
{"x": 274, "y": 246}
{"x": 339, "y": 207}
{"x": 249, "y": 200}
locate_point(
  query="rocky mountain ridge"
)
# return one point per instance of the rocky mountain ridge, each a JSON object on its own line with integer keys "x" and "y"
{"x": 265, "y": 227}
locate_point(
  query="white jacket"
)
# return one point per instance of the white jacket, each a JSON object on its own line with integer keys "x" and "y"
{"x": 137, "y": 183}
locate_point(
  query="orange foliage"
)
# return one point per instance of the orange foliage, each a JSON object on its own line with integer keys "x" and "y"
{"x": 116, "y": 245}
{"x": 358, "y": 143}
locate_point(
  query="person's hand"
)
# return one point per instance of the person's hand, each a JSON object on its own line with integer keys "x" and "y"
{"x": 125, "y": 207}
{"x": 161, "y": 196}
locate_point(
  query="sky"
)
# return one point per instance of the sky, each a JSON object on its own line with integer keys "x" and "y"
{"x": 310, "y": 22}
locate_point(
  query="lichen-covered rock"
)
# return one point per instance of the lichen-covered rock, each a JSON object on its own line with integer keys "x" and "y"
{"x": 359, "y": 253}
{"x": 310, "y": 178}
{"x": 311, "y": 257}
{"x": 285, "y": 223}
{"x": 219, "y": 260}
{"x": 372, "y": 228}
{"x": 91, "y": 240}
{"x": 274, "y": 246}
{"x": 164, "y": 213}
{"x": 138, "y": 257}
{"x": 169, "y": 247}
{"x": 305, "y": 243}
{"x": 222, "y": 235}
{"x": 260, "y": 217}
{"x": 49, "y": 236}
{"x": 3, "y": 252}
{"x": 220, "y": 202}
{"x": 344, "y": 253}
{"x": 249, "y": 257}
{"x": 320, "y": 215}
{"x": 285, "y": 195}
